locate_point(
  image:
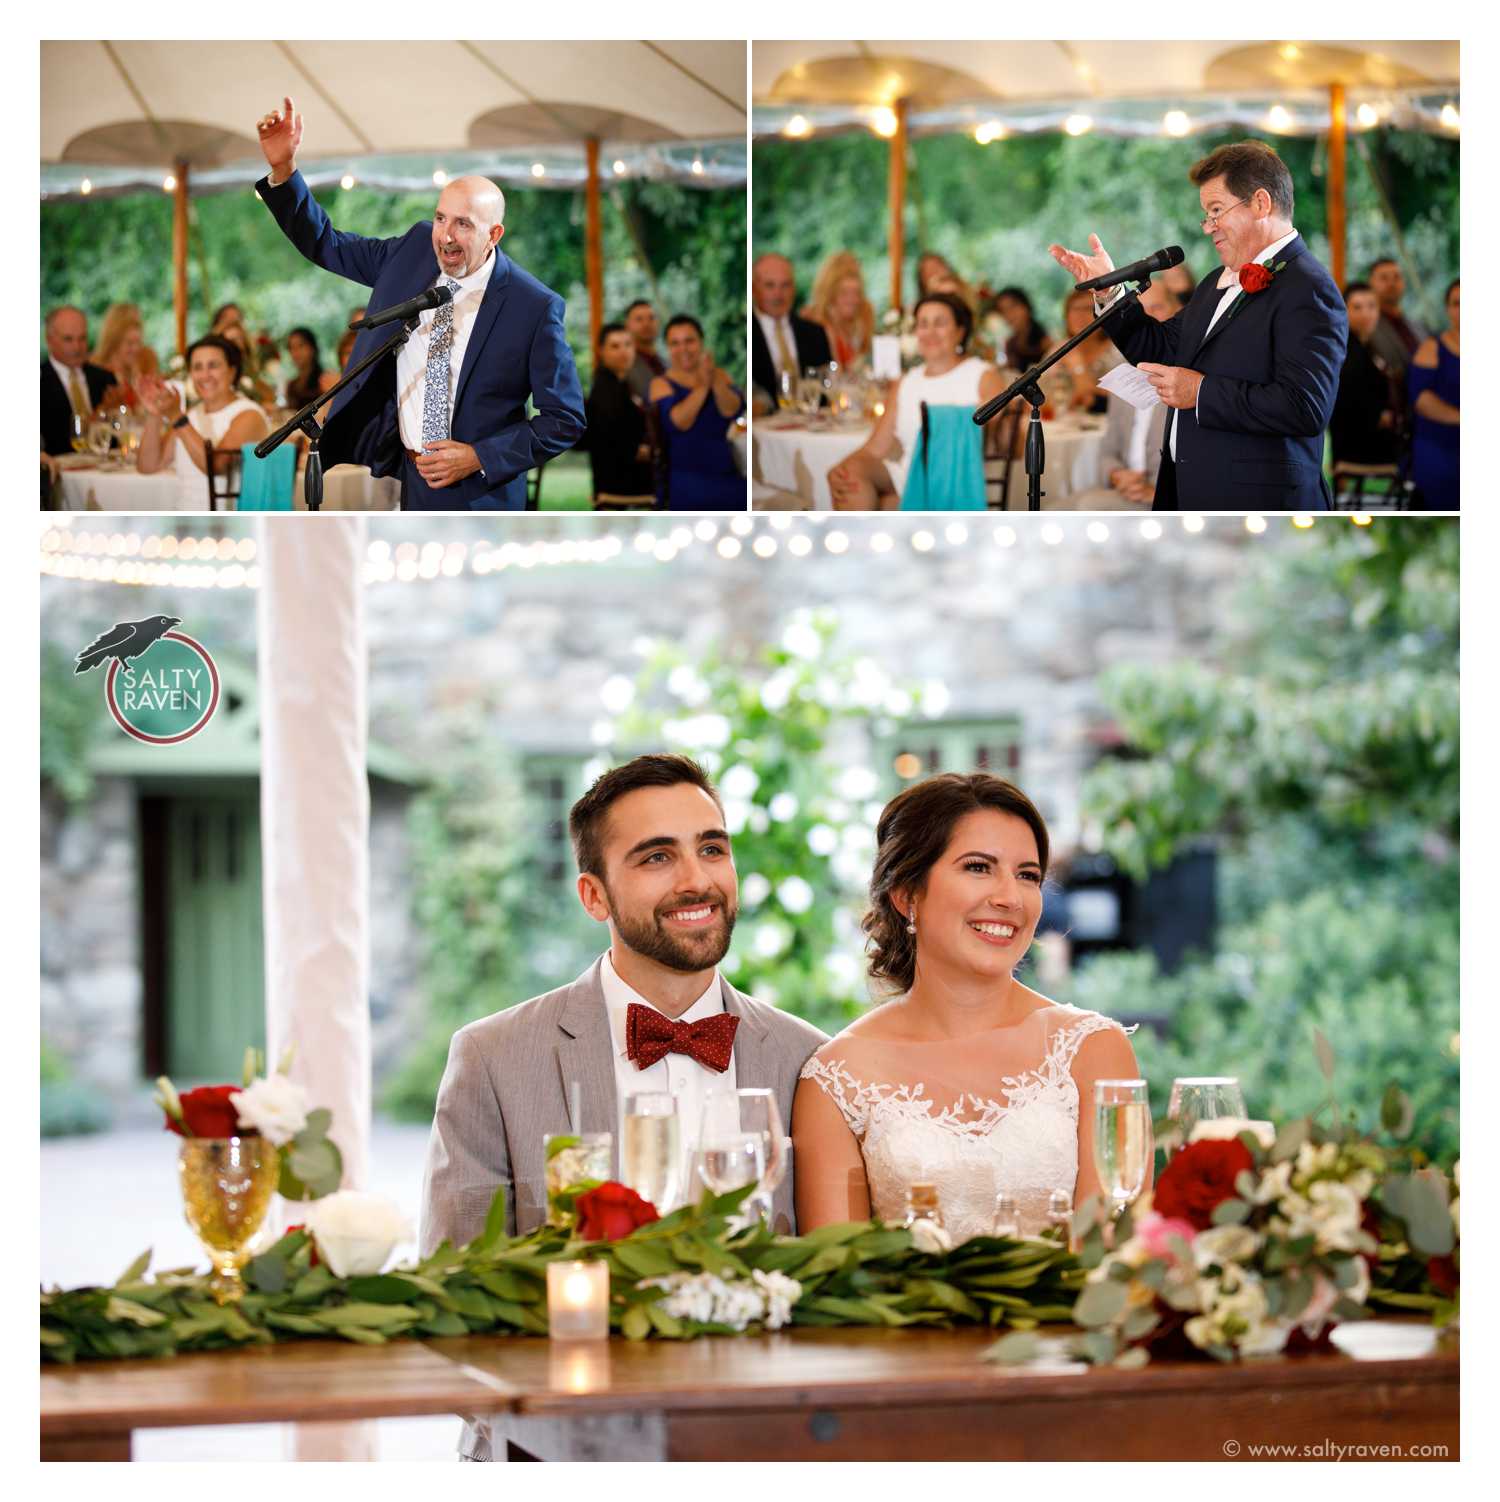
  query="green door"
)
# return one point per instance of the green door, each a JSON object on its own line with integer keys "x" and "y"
{"x": 214, "y": 984}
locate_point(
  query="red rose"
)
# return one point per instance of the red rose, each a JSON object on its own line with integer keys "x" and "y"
{"x": 612, "y": 1211}
{"x": 1200, "y": 1178}
{"x": 1254, "y": 277}
{"x": 312, "y": 1245}
{"x": 1442, "y": 1273}
{"x": 207, "y": 1112}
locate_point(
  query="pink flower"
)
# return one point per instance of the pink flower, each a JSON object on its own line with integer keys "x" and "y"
{"x": 1153, "y": 1231}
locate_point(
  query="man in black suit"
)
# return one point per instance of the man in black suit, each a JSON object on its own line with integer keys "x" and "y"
{"x": 69, "y": 382}
{"x": 1251, "y": 365}
{"x": 778, "y": 338}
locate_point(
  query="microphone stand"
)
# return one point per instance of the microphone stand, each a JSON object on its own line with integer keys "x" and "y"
{"x": 307, "y": 421}
{"x": 1026, "y": 386}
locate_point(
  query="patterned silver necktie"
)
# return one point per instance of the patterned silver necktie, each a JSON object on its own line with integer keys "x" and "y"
{"x": 435, "y": 392}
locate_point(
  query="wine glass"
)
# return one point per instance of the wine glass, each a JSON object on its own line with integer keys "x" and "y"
{"x": 786, "y": 390}
{"x": 1207, "y": 1097}
{"x": 651, "y": 1149}
{"x": 101, "y": 434}
{"x": 1122, "y": 1139}
{"x": 731, "y": 1119}
{"x": 78, "y": 431}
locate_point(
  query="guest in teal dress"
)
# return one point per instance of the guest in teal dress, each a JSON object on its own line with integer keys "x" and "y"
{"x": 696, "y": 403}
{"x": 1432, "y": 380}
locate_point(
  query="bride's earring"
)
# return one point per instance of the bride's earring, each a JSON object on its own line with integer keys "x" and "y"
{"x": 911, "y": 922}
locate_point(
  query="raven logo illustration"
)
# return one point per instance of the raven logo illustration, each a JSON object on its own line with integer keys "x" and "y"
{"x": 126, "y": 640}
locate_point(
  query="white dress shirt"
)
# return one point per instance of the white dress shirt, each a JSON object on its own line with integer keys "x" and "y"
{"x": 411, "y": 362}
{"x": 676, "y": 1074}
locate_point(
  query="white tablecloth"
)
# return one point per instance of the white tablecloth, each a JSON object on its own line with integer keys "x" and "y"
{"x": 346, "y": 487}
{"x": 797, "y": 460}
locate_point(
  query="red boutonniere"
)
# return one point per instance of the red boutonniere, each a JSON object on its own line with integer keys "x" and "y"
{"x": 1254, "y": 276}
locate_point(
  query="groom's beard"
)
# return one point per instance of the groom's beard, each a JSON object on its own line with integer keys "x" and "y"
{"x": 652, "y": 939}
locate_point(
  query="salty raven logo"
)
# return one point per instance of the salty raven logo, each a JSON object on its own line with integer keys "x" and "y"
{"x": 126, "y": 640}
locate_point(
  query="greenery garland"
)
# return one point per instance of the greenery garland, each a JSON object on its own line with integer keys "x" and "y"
{"x": 860, "y": 1273}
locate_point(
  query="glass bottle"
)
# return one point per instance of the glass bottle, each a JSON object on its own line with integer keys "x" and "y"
{"x": 922, "y": 1205}
{"x": 1060, "y": 1217}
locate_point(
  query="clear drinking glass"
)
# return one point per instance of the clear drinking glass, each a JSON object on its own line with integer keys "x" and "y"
{"x": 730, "y": 1120}
{"x": 583, "y": 1157}
{"x": 786, "y": 390}
{"x": 1206, "y": 1097}
{"x": 651, "y": 1160}
{"x": 1122, "y": 1139}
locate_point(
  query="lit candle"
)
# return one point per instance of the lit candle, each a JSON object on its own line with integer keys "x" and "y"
{"x": 578, "y": 1300}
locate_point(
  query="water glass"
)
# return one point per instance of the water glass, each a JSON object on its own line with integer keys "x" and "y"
{"x": 1205, "y": 1097}
{"x": 585, "y": 1158}
{"x": 731, "y": 1119}
{"x": 1122, "y": 1139}
{"x": 651, "y": 1159}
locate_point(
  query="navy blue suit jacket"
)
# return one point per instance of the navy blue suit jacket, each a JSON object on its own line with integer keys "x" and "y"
{"x": 1271, "y": 373}
{"x": 516, "y": 349}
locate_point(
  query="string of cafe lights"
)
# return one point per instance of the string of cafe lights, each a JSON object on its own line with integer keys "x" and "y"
{"x": 186, "y": 561}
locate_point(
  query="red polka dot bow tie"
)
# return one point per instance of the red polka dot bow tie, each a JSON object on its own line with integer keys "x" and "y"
{"x": 650, "y": 1037}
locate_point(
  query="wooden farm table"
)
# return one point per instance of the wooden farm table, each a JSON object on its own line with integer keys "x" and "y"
{"x": 805, "y": 1395}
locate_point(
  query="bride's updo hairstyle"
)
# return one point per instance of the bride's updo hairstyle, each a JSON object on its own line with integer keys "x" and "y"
{"x": 915, "y": 829}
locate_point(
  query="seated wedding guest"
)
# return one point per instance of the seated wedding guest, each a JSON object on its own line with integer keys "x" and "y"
{"x": 875, "y": 477}
{"x": 1132, "y": 438}
{"x": 346, "y": 348}
{"x": 249, "y": 376}
{"x": 839, "y": 305}
{"x": 695, "y": 403}
{"x": 934, "y": 274}
{"x": 122, "y": 350}
{"x": 1078, "y": 390}
{"x": 1027, "y": 340}
{"x": 616, "y": 438}
{"x": 641, "y": 322}
{"x": 174, "y": 440}
{"x": 780, "y": 341}
{"x": 310, "y": 379}
{"x": 1433, "y": 383}
{"x": 1396, "y": 336}
{"x": 942, "y": 278}
{"x": 70, "y": 384}
{"x": 1180, "y": 281}
{"x": 228, "y": 313}
{"x": 1365, "y": 427}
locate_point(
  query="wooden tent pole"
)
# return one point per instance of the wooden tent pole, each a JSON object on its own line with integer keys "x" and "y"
{"x": 180, "y": 254}
{"x": 897, "y": 195}
{"x": 1338, "y": 235}
{"x": 593, "y": 244}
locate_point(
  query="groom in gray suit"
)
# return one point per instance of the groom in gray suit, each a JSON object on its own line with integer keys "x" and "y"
{"x": 652, "y": 1014}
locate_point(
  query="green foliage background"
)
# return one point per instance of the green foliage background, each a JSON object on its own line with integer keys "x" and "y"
{"x": 993, "y": 210}
{"x": 682, "y": 247}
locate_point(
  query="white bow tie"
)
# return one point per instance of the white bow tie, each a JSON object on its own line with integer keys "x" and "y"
{"x": 1228, "y": 279}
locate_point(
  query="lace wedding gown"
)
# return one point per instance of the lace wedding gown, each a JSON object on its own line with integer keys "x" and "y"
{"x": 974, "y": 1116}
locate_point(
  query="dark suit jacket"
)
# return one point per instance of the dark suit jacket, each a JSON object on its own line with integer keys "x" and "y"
{"x": 57, "y": 410}
{"x": 810, "y": 340}
{"x": 1365, "y": 394}
{"x": 1271, "y": 370}
{"x": 516, "y": 350}
{"x": 617, "y": 429}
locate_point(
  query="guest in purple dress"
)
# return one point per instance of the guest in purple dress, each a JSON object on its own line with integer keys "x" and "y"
{"x": 696, "y": 402}
{"x": 1432, "y": 380}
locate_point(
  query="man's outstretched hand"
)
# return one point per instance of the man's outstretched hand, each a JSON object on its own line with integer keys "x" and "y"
{"x": 1082, "y": 268}
{"x": 280, "y": 135}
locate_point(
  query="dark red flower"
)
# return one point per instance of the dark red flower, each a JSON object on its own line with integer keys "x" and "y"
{"x": 1254, "y": 277}
{"x": 207, "y": 1112}
{"x": 1369, "y": 1223}
{"x": 1442, "y": 1273}
{"x": 1200, "y": 1178}
{"x": 312, "y": 1244}
{"x": 612, "y": 1211}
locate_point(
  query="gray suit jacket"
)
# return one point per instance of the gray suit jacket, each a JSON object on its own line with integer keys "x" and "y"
{"x": 507, "y": 1083}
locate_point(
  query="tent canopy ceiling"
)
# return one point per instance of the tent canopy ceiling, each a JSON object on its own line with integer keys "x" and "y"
{"x": 937, "y": 73}
{"x": 149, "y": 103}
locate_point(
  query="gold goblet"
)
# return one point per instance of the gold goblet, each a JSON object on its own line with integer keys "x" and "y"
{"x": 227, "y": 1184}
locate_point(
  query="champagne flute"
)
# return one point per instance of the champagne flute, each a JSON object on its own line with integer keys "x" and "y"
{"x": 651, "y": 1149}
{"x": 732, "y": 1118}
{"x": 1122, "y": 1139}
{"x": 1207, "y": 1097}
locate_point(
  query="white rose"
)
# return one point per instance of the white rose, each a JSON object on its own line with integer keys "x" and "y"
{"x": 274, "y": 1107}
{"x": 928, "y": 1236}
{"x": 1224, "y": 1244}
{"x": 356, "y": 1232}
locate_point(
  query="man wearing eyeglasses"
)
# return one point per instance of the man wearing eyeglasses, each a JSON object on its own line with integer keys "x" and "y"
{"x": 1251, "y": 366}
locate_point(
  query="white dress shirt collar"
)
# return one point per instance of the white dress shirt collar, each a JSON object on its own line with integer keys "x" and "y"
{"x": 618, "y": 995}
{"x": 1228, "y": 278}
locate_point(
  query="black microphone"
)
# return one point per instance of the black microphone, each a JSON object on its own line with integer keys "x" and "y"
{"x": 433, "y": 297}
{"x": 1134, "y": 272}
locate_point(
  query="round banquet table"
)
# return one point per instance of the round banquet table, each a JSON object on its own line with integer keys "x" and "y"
{"x": 793, "y": 455}
{"x": 83, "y": 486}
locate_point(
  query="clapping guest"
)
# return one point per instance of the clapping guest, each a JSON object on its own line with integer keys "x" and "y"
{"x": 1433, "y": 383}
{"x": 122, "y": 350}
{"x": 839, "y": 305}
{"x": 1083, "y": 366}
{"x": 781, "y": 343}
{"x": 874, "y": 477}
{"x": 71, "y": 386}
{"x": 1365, "y": 426}
{"x": 619, "y": 453}
{"x": 175, "y": 440}
{"x": 1027, "y": 340}
{"x": 643, "y": 327}
{"x": 696, "y": 402}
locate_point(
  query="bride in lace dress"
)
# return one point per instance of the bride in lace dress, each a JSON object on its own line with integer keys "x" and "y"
{"x": 966, "y": 1078}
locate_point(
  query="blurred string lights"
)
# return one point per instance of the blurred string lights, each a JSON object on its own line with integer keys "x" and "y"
{"x": 95, "y": 554}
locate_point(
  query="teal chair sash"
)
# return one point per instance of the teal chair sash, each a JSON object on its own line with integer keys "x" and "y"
{"x": 267, "y": 484}
{"x": 947, "y": 469}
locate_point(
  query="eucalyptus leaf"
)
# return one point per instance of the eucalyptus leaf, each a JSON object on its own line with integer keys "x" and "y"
{"x": 1325, "y": 1054}
{"x": 1100, "y": 1303}
{"x": 1230, "y": 1213}
{"x": 137, "y": 1269}
{"x": 1015, "y": 1349}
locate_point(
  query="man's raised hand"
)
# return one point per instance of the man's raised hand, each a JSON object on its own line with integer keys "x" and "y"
{"x": 280, "y": 135}
{"x": 1083, "y": 268}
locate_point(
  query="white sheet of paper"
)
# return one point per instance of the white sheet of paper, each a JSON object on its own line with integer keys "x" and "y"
{"x": 885, "y": 357}
{"x": 1126, "y": 382}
